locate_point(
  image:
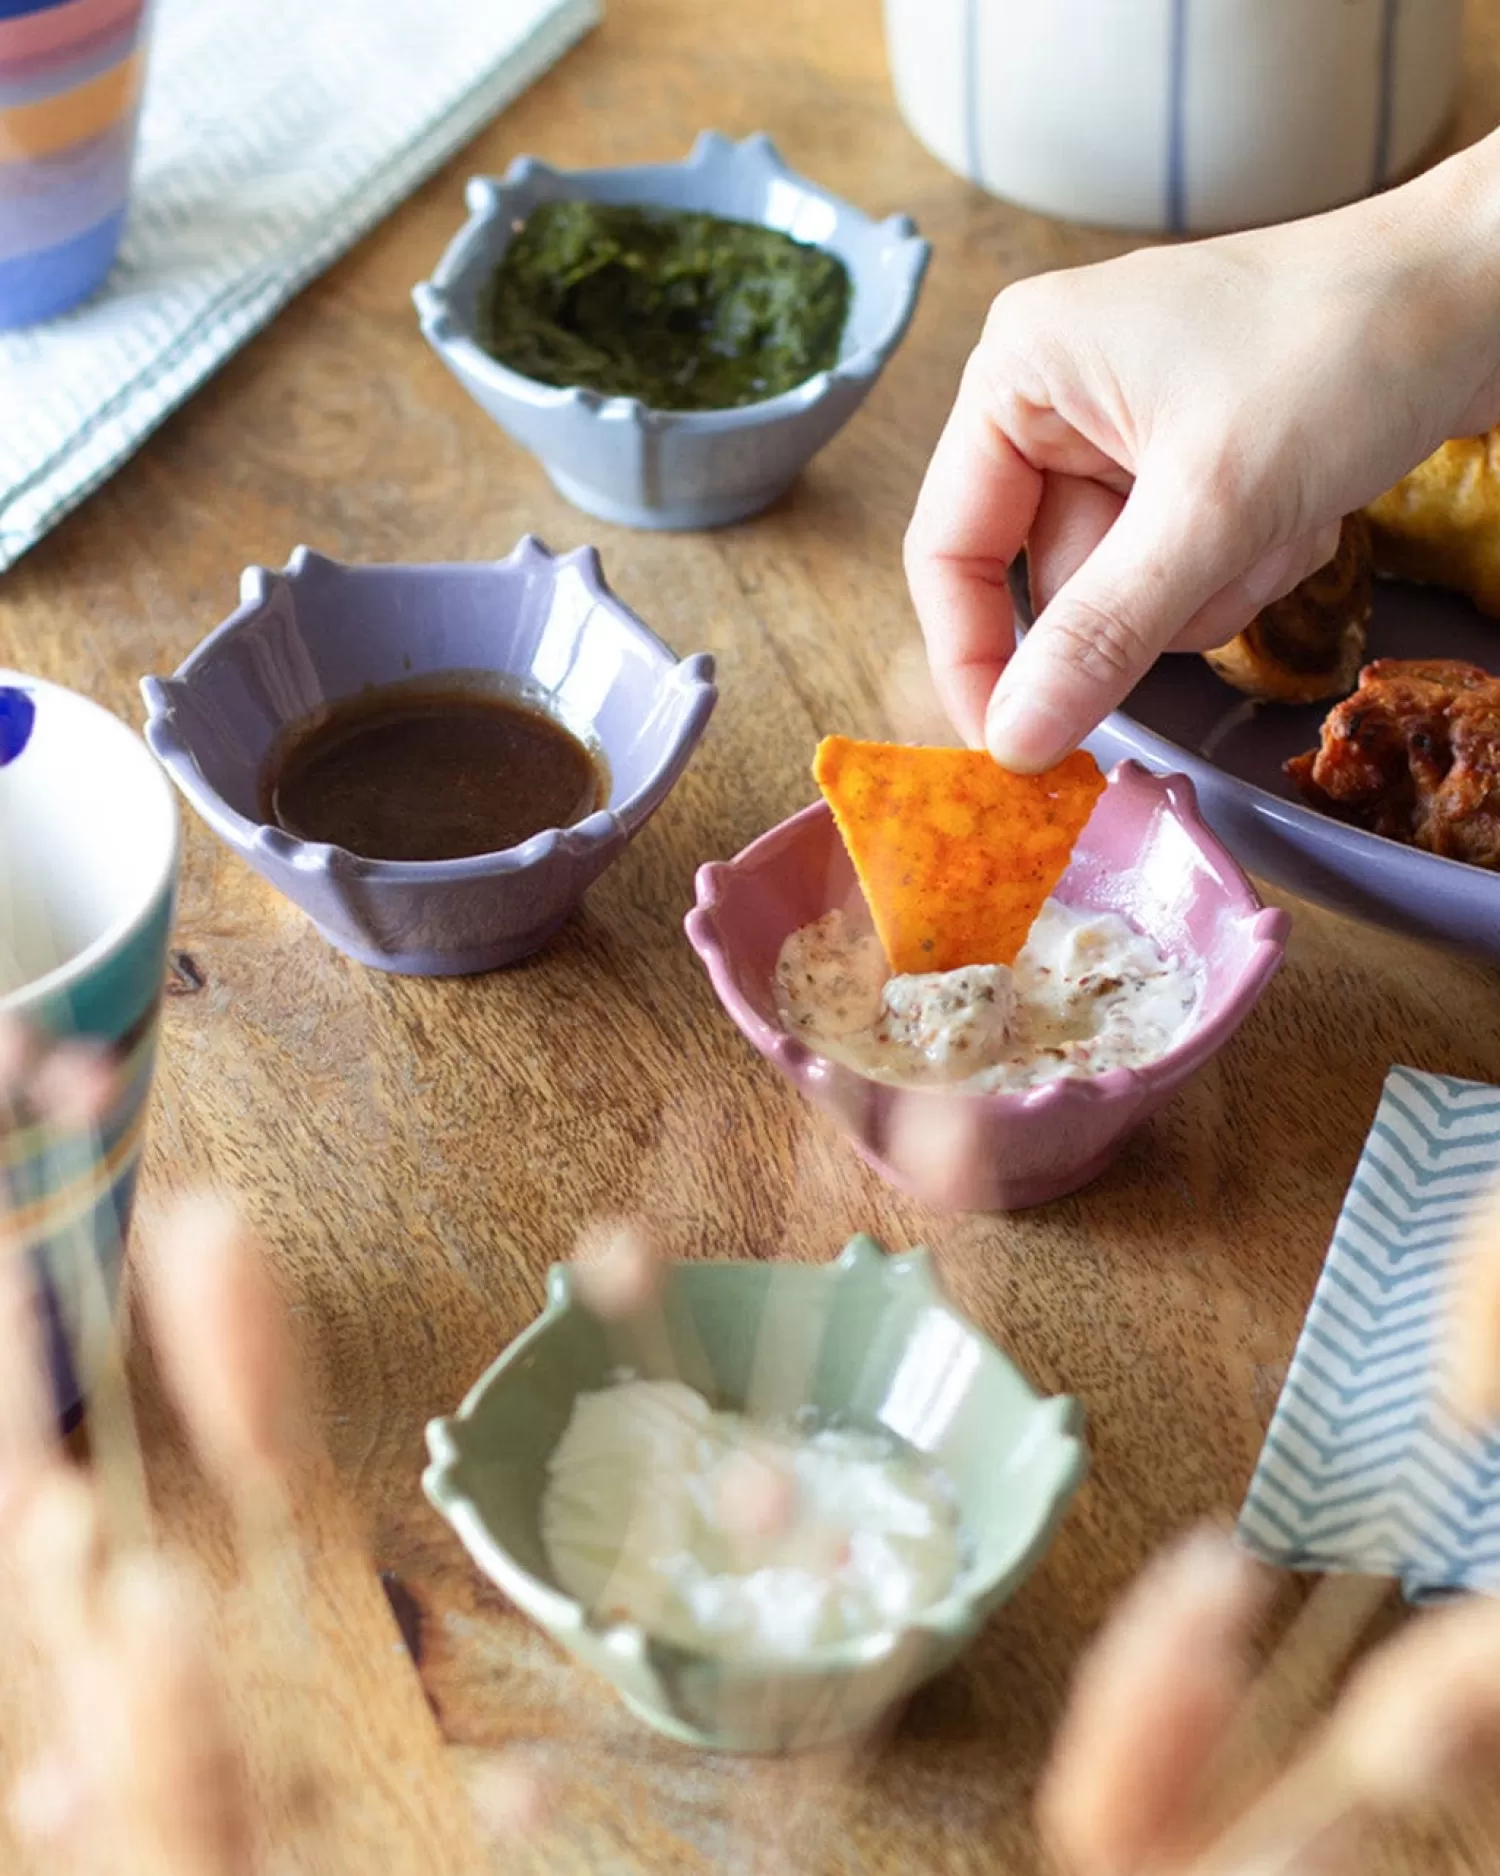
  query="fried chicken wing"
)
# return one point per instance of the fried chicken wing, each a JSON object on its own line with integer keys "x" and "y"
{"x": 1310, "y": 644}
{"x": 1414, "y": 754}
{"x": 1441, "y": 523}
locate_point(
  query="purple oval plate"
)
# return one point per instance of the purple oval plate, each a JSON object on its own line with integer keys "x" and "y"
{"x": 1181, "y": 718}
{"x": 1145, "y": 854}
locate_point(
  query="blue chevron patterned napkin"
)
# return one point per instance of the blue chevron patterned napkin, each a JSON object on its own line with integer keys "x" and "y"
{"x": 1362, "y": 1469}
{"x": 275, "y": 133}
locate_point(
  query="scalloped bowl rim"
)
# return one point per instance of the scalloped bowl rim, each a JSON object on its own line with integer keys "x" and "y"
{"x": 488, "y": 198}
{"x": 951, "y": 1615}
{"x": 1269, "y": 928}
{"x": 693, "y": 673}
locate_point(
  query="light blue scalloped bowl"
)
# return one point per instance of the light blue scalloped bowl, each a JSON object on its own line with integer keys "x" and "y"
{"x": 878, "y": 1346}
{"x": 612, "y": 456}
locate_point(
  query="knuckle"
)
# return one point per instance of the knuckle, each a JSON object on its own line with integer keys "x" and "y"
{"x": 914, "y": 551}
{"x": 1217, "y": 478}
{"x": 1099, "y": 642}
{"x": 1326, "y": 543}
{"x": 1013, "y": 311}
{"x": 1221, "y": 489}
{"x": 1020, "y": 331}
{"x": 922, "y": 542}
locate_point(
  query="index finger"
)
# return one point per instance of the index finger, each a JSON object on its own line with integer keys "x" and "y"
{"x": 974, "y": 511}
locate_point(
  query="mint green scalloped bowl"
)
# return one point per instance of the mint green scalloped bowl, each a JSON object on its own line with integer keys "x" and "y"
{"x": 868, "y": 1340}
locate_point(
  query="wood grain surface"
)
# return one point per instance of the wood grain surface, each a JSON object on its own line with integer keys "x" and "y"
{"x": 418, "y": 1152}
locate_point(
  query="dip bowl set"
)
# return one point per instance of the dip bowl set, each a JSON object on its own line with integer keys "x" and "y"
{"x": 881, "y": 1347}
{"x": 549, "y": 630}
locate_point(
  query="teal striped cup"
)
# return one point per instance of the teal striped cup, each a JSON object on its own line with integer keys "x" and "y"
{"x": 88, "y": 879}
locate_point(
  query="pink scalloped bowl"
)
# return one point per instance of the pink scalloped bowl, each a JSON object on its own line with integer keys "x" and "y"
{"x": 1145, "y": 854}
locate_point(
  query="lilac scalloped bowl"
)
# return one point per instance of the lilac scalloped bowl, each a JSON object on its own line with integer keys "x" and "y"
{"x": 1145, "y": 854}
{"x": 545, "y": 626}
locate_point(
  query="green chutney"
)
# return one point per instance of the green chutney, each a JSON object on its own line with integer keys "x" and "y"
{"x": 683, "y": 311}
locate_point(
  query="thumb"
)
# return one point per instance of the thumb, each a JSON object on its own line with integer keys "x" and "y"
{"x": 1162, "y": 561}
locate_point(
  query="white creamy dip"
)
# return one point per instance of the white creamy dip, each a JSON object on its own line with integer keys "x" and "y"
{"x": 637, "y": 1523}
{"x": 1085, "y": 994}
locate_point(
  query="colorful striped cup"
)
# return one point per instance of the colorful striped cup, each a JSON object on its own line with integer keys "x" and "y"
{"x": 70, "y": 90}
{"x": 88, "y": 875}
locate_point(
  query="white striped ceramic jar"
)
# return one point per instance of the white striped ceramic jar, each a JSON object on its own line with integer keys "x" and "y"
{"x": 1176, "y": 115}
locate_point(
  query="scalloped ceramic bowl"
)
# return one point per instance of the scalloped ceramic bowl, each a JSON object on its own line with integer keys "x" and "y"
{"x": 1145, "y": 854}
{"x": 883, "y": 1349}
{"x": 547, "y": 627}
{"x": 612, "y": 456}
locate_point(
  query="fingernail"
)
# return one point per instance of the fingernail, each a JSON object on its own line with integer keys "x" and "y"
{"x": 1024, "y": 735}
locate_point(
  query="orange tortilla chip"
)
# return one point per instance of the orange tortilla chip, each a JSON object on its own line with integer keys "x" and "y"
{"x": 954, "y": 853}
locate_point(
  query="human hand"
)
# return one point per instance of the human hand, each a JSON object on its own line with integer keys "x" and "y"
{"x": 140, "y": 1769}
{"x": 1175, "y": 436}
{"x": 1177, "y": 1756}
{"x": 67, "y": 1084}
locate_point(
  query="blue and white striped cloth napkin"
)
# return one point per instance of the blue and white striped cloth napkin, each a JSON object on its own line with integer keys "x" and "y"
{"x": 275, "y": 134}
{"x": 1362, "y": 1468}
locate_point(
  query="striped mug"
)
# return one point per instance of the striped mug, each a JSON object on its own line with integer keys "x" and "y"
{"x": 88, "y": 877}
{"x": 70, "y": 90}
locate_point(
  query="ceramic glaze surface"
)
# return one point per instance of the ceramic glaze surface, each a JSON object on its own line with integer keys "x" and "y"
{"x": 1176, "y": 115}
{"x": 70, "y": 89}
{"x": 878, "y": 1344}
{"x": 319, "y": 632}
{"x": 613, "y": 457}
{"x": 1145, "y": 855}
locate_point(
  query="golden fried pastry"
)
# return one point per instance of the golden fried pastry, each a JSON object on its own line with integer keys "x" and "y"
{"x": 1441, "y": 523}
{"x": 1309, "y": 645}
{"x": 1414, "y": 754}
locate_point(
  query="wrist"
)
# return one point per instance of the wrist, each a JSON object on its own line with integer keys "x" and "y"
{"x": 1442, "y": 231}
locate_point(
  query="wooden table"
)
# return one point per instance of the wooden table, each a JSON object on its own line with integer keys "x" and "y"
{"x": 418, "y": 1152}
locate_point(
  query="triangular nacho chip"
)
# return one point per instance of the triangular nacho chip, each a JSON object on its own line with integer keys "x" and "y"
{"x": 954, "y": 853}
